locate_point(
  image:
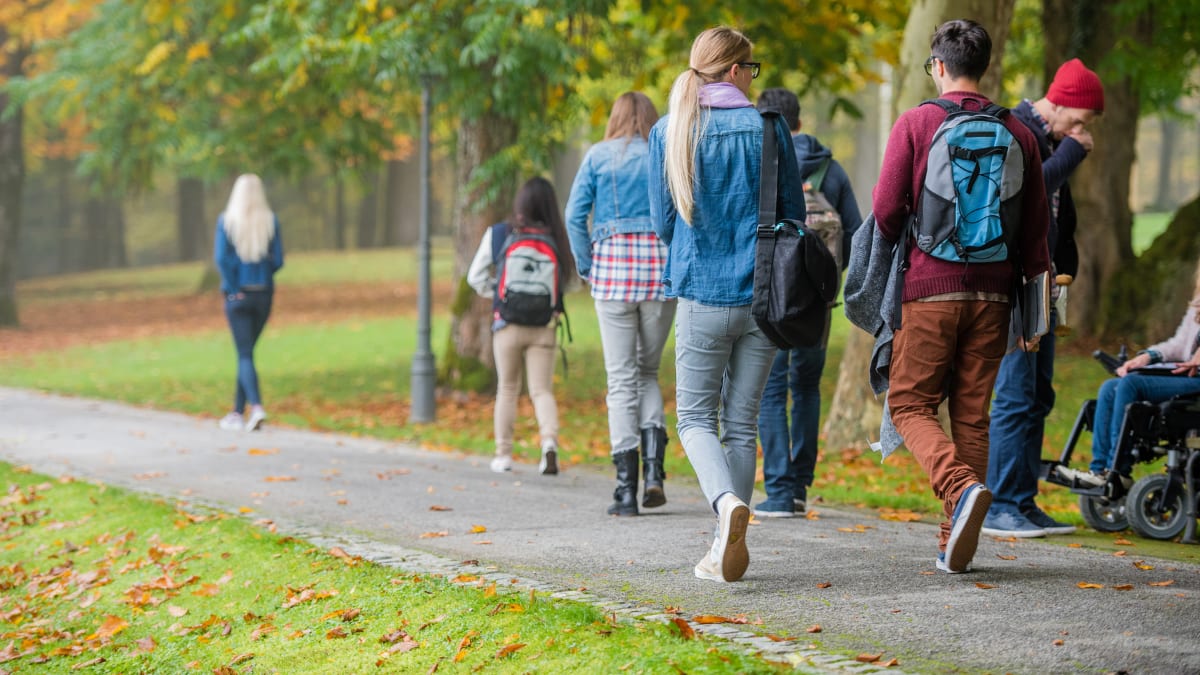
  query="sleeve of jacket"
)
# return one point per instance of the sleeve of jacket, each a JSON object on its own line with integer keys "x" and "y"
{"x": 225, "y": 258}
{"x": 790, "y": 197}
{"x": 1035, "y": 214}
{"x": 892, "y": 199}
{"x": 662, "y": 207}
{"x": 579, "y": 206}
{"x": 479, "y": 274}
{"x": 1178, "y": 347}
{"x": 1057, "y": 168}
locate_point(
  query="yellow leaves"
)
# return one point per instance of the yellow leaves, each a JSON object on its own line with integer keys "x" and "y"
{"x": 110, "y": 627}
{"x": 899, "y": 515}
{"x": 306, "y": 594}
{"x": 258, "y": 452}
{"x": 478, "y": 529}
{"x": 1141, "y": 565}
{"x": 198, "y": 51}
{"x": 279, "y": 479}
{"x": 1086, "y": 585}
{"x": 154, "y": 58}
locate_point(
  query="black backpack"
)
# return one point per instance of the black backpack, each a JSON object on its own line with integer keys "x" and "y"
{"x": 795, "y": 275}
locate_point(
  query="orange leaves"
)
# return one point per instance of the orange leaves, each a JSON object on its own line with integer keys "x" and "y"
{"x": 1141, "y": 565}
{"x": 981, "y": 585}
{"x": 280, "y": 479}
{"x": 685, "y": 629}
{"x": 709, "y": 618}
{"x": 509, "y": 650}
{"x": 1087, "y": 585}
{"x": 439, "y": 507}
{"x": 434, "y": 535}
{"x": 1168, "y": 582}
{"x": 306, "y": 594}
{"x": 815, "y": 628}
{"x": 899, "y": 515}
{"x": 260, "y": 452}
{"x": 877, "y": 660}
{"x": 350, "y": 560}
{"x": 110, "y": 627}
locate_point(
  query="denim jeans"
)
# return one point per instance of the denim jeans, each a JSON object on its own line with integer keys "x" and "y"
{"x": 1119, "y": 392}
{"x": 247, "y": 317}
{"x": 1022, "y": 399}
{"x": 633, "y": 335}
{"x": 722, "y": 360}
{"x": 790, "y": 454}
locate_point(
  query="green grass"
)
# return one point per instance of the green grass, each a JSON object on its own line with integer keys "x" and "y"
{"x": 1146, "y": 227}
{"x": 152, "y": 586}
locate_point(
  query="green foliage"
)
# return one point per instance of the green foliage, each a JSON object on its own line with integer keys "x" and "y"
{"x": 1160, "y": 59}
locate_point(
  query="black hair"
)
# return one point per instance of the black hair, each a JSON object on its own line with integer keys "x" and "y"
{"x": 782, "y": 101}
{"x": 536, "y": 206}
{"x": 964, "y": 47}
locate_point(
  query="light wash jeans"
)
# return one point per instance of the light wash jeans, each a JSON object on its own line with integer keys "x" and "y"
{"x": 722, "y": 360}
{"x": 633, "y": 335}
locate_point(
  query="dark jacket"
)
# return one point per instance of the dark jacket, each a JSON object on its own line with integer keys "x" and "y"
{"x": 810, "y": 154}
{"x": 1058, "y": 161}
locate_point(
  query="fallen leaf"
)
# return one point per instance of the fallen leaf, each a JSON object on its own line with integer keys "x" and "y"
{"x": 1122, "y": 587}
{"x": 464, "y": 579}
{"x": 176, "y": 611}
{"x": 280, "y": 479}
{"x": 241, "y": 658}
{"x": 478, "y": 529}
{"x": 1168, "y": 582}
{"x": 685, "y": 630}
{"x": 1120, "y": 553}
{"x": 980, "y": 584}
{"x": 890, "y": 663}
{"x": 709, "y": 618}
{"x": 482, "y": 542}
{"x": 509, "y": 649}
{"x": 434, "y": 535}
{"x": 146, "y": 645}
{"x": 812, "y": 515}
{"x": 439, "y": 507}
{"x": 1058, "y": 643}
{"x": 868, "y": 658}
{"x": 824, "y": 584}
{"x": 815, "y": 628}
{"x": 110, "y": 627}
{"x": 262, "y": 451}
{"x": 902, "y": 515}
{"x": 88, "y": 664}
{"x": 1123, "y": 542}
{"x": 335, "y": 633}
{"x": 1141, "y": 565}
{"x": 1085, "y": 584}
{"x": 1006, "y": 557}
{"x": 207, "y": 590}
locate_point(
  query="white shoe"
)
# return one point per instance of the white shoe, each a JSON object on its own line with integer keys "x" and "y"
{"x": 548, "y": 466}
{"x": 257, "y": 415}
{"x": 733, "y": 517}
{"x": 231, "y": 422}
{"x": 502, "y": 463}
{"x": 1086, "y": 478}
{"x": 709, "y": 567}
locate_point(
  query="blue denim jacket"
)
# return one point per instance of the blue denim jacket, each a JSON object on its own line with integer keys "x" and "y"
{"x": 711, "y": 261}
{"x": 611, "y": 185}
{"x": 236, "y": 274}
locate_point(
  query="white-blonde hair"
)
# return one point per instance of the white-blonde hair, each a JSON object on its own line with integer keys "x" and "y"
{"x": 248, "y": 219}
{"x": 714, "y": 52}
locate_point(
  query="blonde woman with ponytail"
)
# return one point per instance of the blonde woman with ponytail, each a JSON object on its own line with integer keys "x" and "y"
{"x": 705, "y": 158}
{"x": 248, "y": 253}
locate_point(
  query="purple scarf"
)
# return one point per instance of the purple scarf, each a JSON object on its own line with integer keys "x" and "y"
{"x": 723, "y": 95}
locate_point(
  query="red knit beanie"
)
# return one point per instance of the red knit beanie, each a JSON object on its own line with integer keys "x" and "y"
{"x": 1075, "y": 86}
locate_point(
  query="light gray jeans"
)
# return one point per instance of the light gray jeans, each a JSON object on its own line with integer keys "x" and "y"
{"x": 633, "y": 335}
{"x": 722, "y": 360}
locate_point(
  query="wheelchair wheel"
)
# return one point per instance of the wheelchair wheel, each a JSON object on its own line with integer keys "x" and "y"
{"x": 1144, "y": 518}
{"x": 1103, "y": 515}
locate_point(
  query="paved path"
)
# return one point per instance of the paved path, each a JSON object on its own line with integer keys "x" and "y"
{"x": 868, "y": 583}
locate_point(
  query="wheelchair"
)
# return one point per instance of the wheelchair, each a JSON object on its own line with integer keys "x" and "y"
{"x": 1157, "y": 506}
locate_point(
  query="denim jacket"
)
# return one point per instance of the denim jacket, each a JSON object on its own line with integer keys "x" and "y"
{"x": 711, "y": 260}
{"x": 236, "y": 274}
{"x": 611, "y": 185}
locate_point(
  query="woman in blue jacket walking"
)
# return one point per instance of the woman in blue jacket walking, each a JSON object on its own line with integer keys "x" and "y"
{"x": 705, "y": 159}
{"x": 622, "y": 260}
{"x": 248, "y": 252}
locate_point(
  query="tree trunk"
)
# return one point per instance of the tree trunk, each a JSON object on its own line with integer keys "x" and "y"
{"x": 468, "y": 362}
{"x": 1164, "y": 193}
{"x": 854, "y": 413}
{"x": 12, "y": 176}
{"x": 1100, "y": 186}
{"x": 104, "y": 233}
{"x": 402, "y": 205}
{"x": 193, "y": 227}
{"x": 368, "y": 211}
{"x": 64, "y": 170}
{"x": 339, "y": 212}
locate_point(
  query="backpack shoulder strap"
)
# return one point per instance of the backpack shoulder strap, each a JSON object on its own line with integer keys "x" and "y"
{"x": 949, "y": 106}
{"x": 995, "y": 110}
{"x": 499, "y": 236}
{"x": 817, "y": 178}
{"x": 769, "y": 171}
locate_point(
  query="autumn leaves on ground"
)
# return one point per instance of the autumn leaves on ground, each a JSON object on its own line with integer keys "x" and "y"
{"x": 159, "y": 587}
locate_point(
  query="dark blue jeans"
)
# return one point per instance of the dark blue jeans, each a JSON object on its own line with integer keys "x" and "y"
{"x": 247, "y": 313}
{"x": 1117, "y": 393}
{"x": 790, "y": 455}
{"x": 1022, "y": 399}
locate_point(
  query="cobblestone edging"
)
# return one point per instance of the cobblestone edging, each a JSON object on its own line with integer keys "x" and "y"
{"x": 786, "y": 652}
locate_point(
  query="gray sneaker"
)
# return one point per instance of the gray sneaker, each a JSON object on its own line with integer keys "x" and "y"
{"x": 1010, "y": 524}
{"x": 1077, "y": 476}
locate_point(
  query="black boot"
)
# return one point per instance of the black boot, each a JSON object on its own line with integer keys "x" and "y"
{"x": 625, "y": 496}
{"x": 654, "y": 444}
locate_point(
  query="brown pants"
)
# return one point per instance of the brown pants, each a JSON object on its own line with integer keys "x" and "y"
{"x": 947, "y": 348}
{"x": 532, "y": 346}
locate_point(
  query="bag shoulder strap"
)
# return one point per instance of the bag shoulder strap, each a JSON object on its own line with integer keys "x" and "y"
{"x": 499, "y": 238}
{"x": 817, "y": 178}
{"x": 769, "y": 173}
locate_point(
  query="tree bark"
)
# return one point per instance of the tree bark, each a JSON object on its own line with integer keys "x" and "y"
{"x": 1100, "y": 186}
{"x": 64, "y": 170}
{"x": 12, "y": 177}
{"x": 1164, "y": 192}
{"x": 192, "y": 225}
{"x": 402, "y": 207}
{"x": 468, "y": 363}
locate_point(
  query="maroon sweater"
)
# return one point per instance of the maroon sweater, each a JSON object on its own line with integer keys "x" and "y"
{"x": 900, "y": 181}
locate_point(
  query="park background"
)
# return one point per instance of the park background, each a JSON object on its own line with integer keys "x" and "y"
{"x": 125, "y": 123}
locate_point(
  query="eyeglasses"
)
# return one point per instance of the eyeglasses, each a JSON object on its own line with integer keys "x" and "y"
{"x": 754, "y": 67}
{"x": 929, "y": 65}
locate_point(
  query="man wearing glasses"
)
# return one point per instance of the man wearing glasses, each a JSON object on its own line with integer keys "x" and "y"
{"x": 954, "y": 326}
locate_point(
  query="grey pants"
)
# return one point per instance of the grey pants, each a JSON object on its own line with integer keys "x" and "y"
{"x": 722, "y": 361}
{"x": 633, "y": 335}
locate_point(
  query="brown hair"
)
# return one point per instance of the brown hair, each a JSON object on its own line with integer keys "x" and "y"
{"x": 633, "y": 114}
{"x": 536, "y": 207}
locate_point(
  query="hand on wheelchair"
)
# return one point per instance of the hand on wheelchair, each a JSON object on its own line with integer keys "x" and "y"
{"x": 1189, "y": 367}
{"x": 1139, "y": 361}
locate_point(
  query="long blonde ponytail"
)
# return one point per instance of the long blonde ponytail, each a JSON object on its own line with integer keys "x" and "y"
{"x": 714, "y": 52}
{"x": 249, "y": 221}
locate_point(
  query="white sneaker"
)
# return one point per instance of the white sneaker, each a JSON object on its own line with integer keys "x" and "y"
{"x": 231, "y": 422}
{"x": 257, "y": 415}
{"x": 502, "y": 463}
{"x": 1086, "y": 478}
{"x": 733, "y": 517}
{"x": 709, "y": 567}
{"x": 548, "y": 466}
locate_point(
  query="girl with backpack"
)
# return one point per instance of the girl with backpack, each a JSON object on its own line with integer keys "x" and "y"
{"x": 622, "y": 260}
{"x": 523, "y": 265}
{"x": 705, "y": 163}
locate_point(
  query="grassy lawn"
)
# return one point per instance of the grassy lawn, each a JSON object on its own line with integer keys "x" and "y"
{"x": 150, "y": 586}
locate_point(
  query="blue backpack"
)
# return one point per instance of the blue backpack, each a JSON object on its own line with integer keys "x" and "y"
{"x": 970, "y": 203}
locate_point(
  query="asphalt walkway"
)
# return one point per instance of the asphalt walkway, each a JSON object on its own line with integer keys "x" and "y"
{"x": 870, "y": 584}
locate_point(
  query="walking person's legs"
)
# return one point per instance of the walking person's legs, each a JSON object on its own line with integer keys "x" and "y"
{"x": 1009, "y": 433}
{"x": 508, "y": 353}
{"x": 804, "y": 379}
{"x": 776, "y": 441}
{"x": 654, "y": 326}
{"x": 539, "y": 375}
{"x": 619, "y": 339}
{"x": 259, "y": 303}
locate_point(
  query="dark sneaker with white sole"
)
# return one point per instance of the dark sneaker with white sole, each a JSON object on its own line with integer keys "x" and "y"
{"x": 965, "y": 524}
